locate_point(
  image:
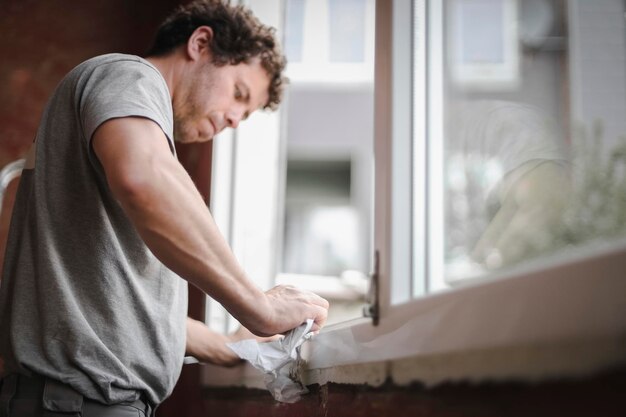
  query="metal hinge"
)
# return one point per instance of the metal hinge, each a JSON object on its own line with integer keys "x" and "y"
{"x": 372, "y": 307}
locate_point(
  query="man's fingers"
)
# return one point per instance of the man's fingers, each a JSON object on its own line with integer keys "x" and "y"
{"x": 321, "y": 301}
{"x": 320, "y": 318}
{"x": 292, "y": 307}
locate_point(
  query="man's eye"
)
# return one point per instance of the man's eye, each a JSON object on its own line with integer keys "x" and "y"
{"x": 238, "y": 93}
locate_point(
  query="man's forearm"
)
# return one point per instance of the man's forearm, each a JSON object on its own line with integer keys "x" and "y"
{"x": 208, "y": 346}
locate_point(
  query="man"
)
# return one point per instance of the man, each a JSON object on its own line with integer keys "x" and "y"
{"x": 107, "y": 220}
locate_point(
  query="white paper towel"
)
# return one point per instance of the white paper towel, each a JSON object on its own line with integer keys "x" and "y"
{"x": 280, "y": 361}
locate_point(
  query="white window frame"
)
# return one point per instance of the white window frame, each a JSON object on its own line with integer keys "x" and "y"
{"x": 556, "y": 317}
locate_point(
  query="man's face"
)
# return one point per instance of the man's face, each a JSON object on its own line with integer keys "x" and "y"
{"x": 215, "y": 97}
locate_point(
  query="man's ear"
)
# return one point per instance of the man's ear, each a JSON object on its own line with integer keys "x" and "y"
{"x": 199, "y": 43}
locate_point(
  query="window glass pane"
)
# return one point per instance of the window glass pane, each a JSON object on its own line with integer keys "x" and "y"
{"x": 321, "y": 227}
{"x": 347, "y": 30}
{"x": 533, "y": 128}
{"x": 325, "y": 214}
{"x": 294, "y": 29}
{"x": 326, "y": 243}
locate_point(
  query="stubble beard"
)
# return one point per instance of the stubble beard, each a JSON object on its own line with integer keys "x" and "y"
{"x": 183, "y": 126}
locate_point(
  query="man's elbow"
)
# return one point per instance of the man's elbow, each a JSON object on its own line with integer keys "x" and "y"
{"x": 134, "y": 190}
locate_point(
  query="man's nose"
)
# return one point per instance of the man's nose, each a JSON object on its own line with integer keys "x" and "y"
{"x": 234, "y": 116}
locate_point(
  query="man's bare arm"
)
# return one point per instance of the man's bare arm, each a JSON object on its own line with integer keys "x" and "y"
{"x": 209, "y": 346}
{"x": 171, "y": 217}
{"x": 529, "y": 211}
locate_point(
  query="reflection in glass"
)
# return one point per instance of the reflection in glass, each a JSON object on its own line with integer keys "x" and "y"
{"x": 480, "y": 25}
{"x": 539, "y": 165}
{"x": 483, "y": 46}
{"x": 506, "y": 182}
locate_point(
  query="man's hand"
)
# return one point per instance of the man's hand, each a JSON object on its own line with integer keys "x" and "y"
{"x": 289, "y": 307}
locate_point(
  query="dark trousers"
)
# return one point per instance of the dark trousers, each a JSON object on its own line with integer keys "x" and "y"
{"x": 36, "y": 396}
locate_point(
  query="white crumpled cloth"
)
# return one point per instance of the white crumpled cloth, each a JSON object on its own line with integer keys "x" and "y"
{"x": 280, "y": 360}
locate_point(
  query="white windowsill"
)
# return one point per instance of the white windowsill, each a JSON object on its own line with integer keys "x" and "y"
{"x": 567, "y": 319}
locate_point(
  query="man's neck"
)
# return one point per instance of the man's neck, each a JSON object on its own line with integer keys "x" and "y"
{"x": 169, "y": 67}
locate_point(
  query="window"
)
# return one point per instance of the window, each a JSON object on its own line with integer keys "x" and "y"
{"x": 525, "y": 136}
{"x": 441, "y": 108}
{"x": 500, "y": 179}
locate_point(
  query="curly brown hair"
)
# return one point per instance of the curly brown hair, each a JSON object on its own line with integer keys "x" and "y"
{"x": 238, "y": 36}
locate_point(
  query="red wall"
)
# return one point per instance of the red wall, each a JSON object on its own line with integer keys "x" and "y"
{"x": 42, "y": 40}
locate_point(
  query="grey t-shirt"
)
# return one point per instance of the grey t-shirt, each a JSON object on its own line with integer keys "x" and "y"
{"x": 82, "y": 299}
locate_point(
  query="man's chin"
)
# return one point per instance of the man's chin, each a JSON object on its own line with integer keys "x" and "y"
{"x": 196, "y": 137}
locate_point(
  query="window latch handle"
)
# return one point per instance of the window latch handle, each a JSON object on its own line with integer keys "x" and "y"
{"x": 372, "y": 307}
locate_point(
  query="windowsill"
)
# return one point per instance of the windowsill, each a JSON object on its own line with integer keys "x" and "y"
{"x": 564, "y": 320}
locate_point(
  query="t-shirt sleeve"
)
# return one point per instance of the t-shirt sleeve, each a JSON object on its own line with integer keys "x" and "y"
{"x": 125, "y": 89}
{"x": 521, "y": 133}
